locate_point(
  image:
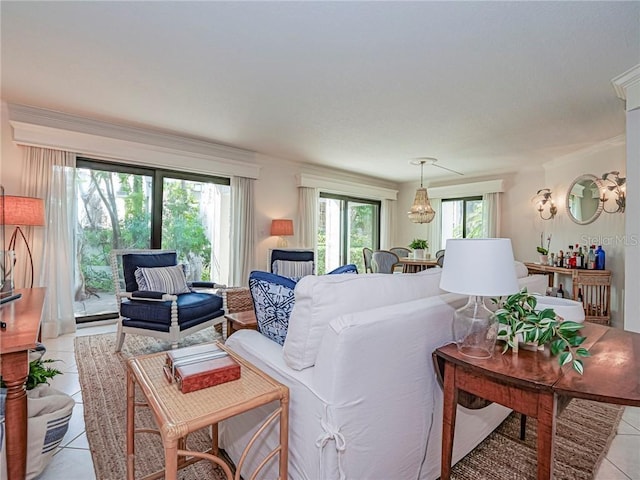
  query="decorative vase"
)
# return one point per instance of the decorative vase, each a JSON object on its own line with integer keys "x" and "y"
{"x": 475, "y": 329}
{"x": 418, "y": 253}
{"x": 544, "y": 260}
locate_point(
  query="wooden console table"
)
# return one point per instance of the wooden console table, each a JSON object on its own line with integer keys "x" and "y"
{"x": 22, "y": 317}
{"x": 533, "y": 383}
{"x": 595, "y": 286}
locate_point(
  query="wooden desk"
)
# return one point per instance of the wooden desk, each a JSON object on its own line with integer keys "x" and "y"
{"x": 22, "y": 317}
{"x": 595, "y": 286}
{"x": 533, "y": 384}
{"x": 239, "y": 320}
{"x": 414, "y": 265}
{"x": 177, "y": 414}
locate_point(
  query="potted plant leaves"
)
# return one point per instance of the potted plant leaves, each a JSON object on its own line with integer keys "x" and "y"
{"x": 419, "y": 247}
{"x": 520, "y": 321}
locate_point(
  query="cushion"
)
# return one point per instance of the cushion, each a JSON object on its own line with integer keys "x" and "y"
{"x": 287, "y": 268}
{"x": 170, "y": 280}
{"x": 348, "y": 268}
{"x": 320, "y": 299}
{"x": 273, "y": 301}
{"x": 193, "y": 309}
{"x": 131, "y": 261}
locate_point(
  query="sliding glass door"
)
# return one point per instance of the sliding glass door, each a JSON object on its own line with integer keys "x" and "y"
{"x": 125, "y": 207}
{"x": 346, "y": 226}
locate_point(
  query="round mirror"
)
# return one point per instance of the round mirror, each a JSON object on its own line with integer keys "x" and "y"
{"x": 583, "y": 199}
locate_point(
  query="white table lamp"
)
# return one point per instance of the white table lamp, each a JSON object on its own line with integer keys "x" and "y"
{"x": 479, "y": 268}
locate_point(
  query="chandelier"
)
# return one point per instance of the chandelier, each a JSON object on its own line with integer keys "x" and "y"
{"x": 421, "y": 210}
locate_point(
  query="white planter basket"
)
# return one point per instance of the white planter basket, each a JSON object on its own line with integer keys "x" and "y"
{"x": 49, "y": 412}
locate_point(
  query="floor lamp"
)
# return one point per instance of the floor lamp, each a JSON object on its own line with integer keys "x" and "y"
{"x": 23, "y": 212}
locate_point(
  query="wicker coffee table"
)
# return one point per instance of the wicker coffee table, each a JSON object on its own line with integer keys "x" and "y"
{"x": 177, "y": 414}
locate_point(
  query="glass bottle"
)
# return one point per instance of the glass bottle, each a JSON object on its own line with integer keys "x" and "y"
{"x": 560, "y": 293}
{"x": 600, "y": 257}
{"x": 591, "y": 263}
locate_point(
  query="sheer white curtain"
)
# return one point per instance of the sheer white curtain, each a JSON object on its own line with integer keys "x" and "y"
{"x": 242, "y": 230}
{"x": 307, "y": 221}
{"x": 49, "y": 174}
{"x": 386, "y": 224}
{"x": 434, "y": 235}
{"x": 491, "y": 215}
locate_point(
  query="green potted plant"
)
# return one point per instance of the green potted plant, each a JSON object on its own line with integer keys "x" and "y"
{"x": 419, "y": 247}
{"x": 544, "y": 252}
{"x": 521, "y": 322}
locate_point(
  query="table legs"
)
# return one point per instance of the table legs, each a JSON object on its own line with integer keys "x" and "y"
{"x": 546, "y": 434}
{"x": 15, "y": 368}
{"x": 448, "y": 419}
{"x": 538, "y": 404}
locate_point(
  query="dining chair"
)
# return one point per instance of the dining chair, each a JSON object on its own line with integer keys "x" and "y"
{"x": 367, "y": 253}
{"x": 384, "y": 261}
{"x": 402, "y": 252}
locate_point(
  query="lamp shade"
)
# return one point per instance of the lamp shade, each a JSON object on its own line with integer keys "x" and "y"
{"x": 23, "y": 211}
{"x": 282, "y": 227}
{"x": 479, "y": 266}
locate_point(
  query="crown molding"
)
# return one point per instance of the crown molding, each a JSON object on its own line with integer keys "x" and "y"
{"x": 343, "y": 187}
{"x": 61, "y": 131}
{"x": 604, "y": 146}
{"x": 627, "y": 87}
{"x": 467, "y": 189}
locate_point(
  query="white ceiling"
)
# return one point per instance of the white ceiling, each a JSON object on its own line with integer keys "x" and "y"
{"x": 486, "y": 87}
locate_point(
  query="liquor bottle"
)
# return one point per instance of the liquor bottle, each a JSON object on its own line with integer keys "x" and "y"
{"x": 552, "y": 259}
{"x": 560, "y": 293}
{"x": 560, "y": 259}
{"x": 579, "y": 256}
{"x": 569, "y": 256}
{"x": 580, "y": 295}
{"x": 591, "y": 262}
{"x": 600, "y": 257}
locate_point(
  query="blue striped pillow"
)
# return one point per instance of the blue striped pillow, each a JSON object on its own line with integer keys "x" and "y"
{"x": 169, "y": 280}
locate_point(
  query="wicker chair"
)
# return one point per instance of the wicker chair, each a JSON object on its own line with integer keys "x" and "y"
{"x": 234, "y": 299}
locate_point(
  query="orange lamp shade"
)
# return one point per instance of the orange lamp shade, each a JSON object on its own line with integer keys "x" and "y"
{"x": 26, "y": 211}
{"x": 282, "y": 227}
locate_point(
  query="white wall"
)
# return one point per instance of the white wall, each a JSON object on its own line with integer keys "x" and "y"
{"x": 520, "y": 220}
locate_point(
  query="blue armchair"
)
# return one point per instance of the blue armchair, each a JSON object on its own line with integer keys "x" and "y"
{"x": 155, "y": 300}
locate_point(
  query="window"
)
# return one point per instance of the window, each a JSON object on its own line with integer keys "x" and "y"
{"x": 461, "y": 218}
{"x": 346, "y": 226}
{"x": 121, "y": 206}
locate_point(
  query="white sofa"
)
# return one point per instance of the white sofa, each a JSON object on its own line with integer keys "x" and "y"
{"x": 369, "y": 405}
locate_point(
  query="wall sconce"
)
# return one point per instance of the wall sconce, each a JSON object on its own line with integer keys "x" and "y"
{"x": 614, "y": 183}
{"x": 544, "y": 202}
{"x": 282, "y": 228}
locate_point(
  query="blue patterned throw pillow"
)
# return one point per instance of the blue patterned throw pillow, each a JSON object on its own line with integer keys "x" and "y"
{"x": 273, "y": 301}
{"x": 169, "y": 280}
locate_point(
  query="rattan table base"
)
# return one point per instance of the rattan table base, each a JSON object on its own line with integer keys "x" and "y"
{"x": 177, "y": 414}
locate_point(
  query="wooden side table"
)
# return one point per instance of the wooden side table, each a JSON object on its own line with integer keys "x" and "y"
{"x": 177, "y": 414}
{"x": 239, "y": 320}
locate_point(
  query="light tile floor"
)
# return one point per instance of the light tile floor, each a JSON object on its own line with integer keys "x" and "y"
{"x": 72, "y": 460}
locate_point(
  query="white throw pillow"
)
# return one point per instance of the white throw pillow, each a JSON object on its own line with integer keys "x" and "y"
{"x": 169, "y": 280}
{"x": 320, "y": 299}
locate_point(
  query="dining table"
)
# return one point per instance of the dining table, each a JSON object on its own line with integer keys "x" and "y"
{"x": 414, "y": 265}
